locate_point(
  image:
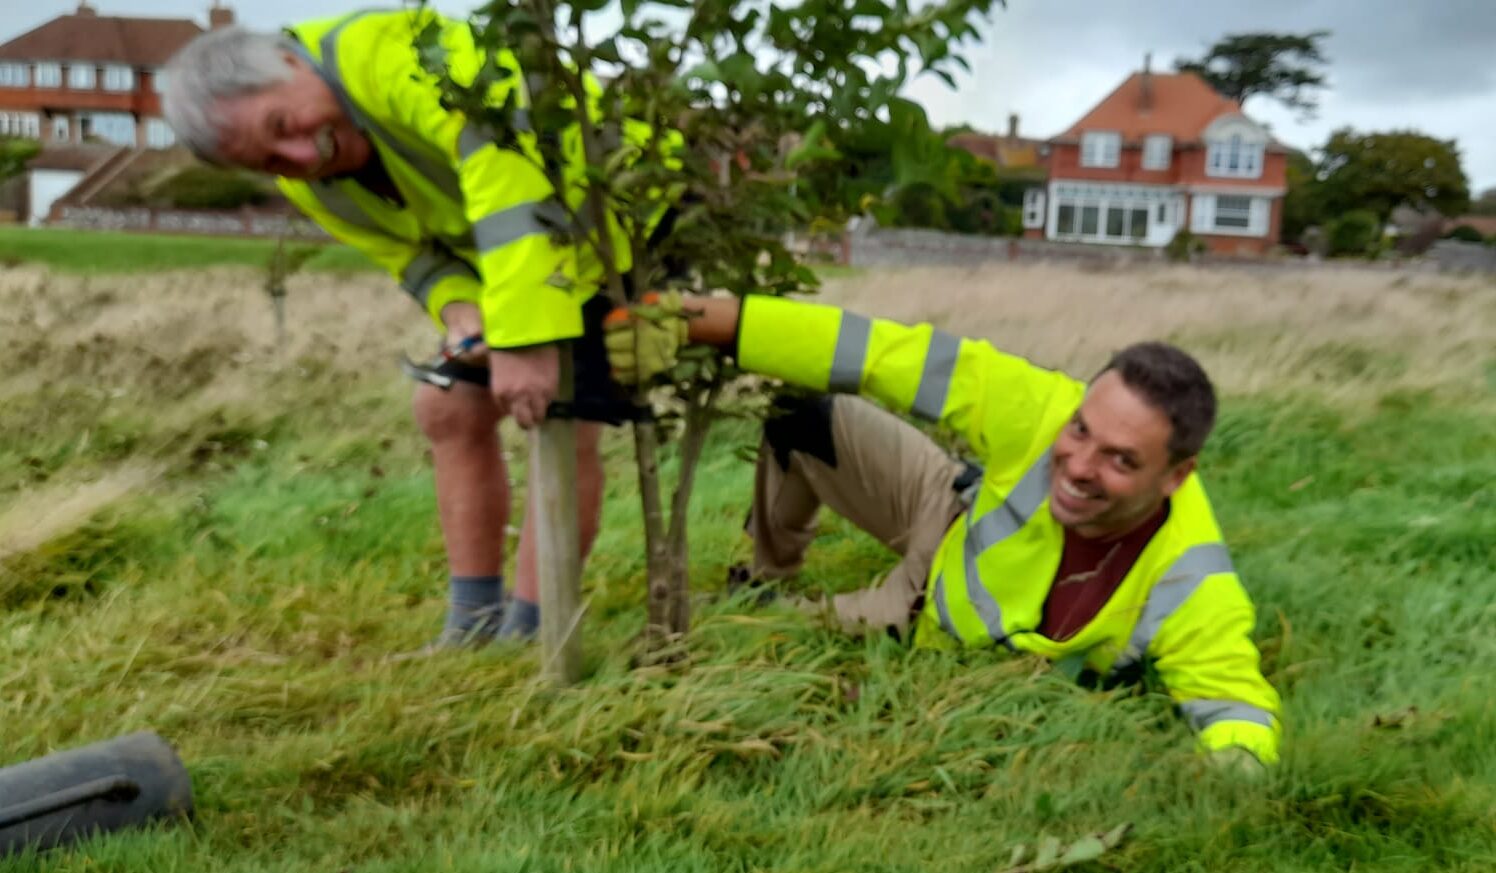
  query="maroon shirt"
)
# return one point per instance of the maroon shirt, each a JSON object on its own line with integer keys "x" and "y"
{"x": 1089, "y": 573}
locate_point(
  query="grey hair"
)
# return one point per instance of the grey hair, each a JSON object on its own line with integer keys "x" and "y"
{"x": 219, "y": 65}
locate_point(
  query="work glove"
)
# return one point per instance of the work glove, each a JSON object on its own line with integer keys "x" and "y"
{"x": 643, "y": 340}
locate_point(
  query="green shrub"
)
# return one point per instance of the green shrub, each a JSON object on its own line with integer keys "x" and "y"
{"x": 209, "y": 188}
{"x": 1465, "y": 233}
{"x": 1184, "y": 246}
{"x": 1353, "y": 233}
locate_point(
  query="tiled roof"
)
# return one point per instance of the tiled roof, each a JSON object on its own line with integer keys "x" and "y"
{"x": 1003, "y": 151}
{"x": 71, "y": 157}
{"x": 136, "y": 42}
{"x": 1181, "y": 105}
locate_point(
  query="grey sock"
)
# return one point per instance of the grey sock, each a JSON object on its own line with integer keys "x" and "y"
{"x": 475, "y": 604}
{"x": 521, "y": 620}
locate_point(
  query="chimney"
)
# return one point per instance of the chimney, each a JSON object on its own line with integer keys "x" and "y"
{"x": 1012, "y": 125}
{"x": 85, "y": 10}
{"x": 220, "y": 16}
{"x": 1145, "y": 87}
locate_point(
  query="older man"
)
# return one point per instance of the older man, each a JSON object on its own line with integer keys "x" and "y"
{"x": 342, "y": 112}
{"x": 1085, "y": 535}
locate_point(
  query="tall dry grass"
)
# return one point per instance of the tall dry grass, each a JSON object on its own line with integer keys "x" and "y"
{"x": 1337, "y": 331}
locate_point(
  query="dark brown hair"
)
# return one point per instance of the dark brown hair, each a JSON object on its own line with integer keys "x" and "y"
{"x": 1176, "y": 385}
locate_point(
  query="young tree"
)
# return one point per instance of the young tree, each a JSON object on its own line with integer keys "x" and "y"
{"x": 731, "y": 113}
{"x": 1286, "y": 67}
{"x": 1381, "y": 171}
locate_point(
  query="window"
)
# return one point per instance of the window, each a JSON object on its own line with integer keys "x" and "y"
{"x": 14, "y": 76}
{"x": 112, "y": 127}
{"x": 1033, "y": 207}
{"x": 24, "y": 124}
{"x": 48, "y": 75}
{"x": 118, "y": 78}
{"x": 1233, "y": 212}
{"x": 158, "y": 134}
{"x": 1157, "y": 150}
{"x": 158, "y": 81}
{"x": 81, "y": 76}
{"x": 1100, "y": 149}
{"x": 1235, "y": 157}
{"x": 1064, "y": 224}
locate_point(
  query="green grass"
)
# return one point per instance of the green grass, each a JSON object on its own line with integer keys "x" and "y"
{"x": 245, "y": 606}
{"x": 245, "y": 613}
{"x": 109, "y": 252}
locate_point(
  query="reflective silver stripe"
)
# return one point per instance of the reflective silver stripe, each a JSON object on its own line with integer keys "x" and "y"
{"x": 473, "y": 138}
{"x": 498, "y": 229}
{"x": 942, "y": 610}
{"x": 428, "y": 268}
{"x": 935, "y": 381}
{"x": 994, "y": 527}
{"x": 1176, "y": 586}
{"x": 436, "y": 172}
{"x": 1204, "y": 713}
{"x": 851, "y": 353}
{"x": 476, "y": 135}
{"x": 337, "y": 201}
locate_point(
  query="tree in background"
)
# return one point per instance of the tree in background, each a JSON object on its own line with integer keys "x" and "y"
{"x": 14, "y": 153}
{"x": 1285, "y": 67}
{"x": 1303, "y": 204}
{"x": 768, "y": 99}
{"x": 1485, "y": 204}
{"x": 1381, "y": 171}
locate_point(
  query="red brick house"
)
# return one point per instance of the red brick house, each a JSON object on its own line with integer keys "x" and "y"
{"x": 1162, "y": 152}
{"x": 90, "y": 75}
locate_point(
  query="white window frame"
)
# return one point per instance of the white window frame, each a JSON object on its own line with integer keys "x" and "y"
{"x": 26, "y": 124}
{"x": 82, "y": 77}
{"x": 48, "y": 74}
{"x": 1033, "y": 208}
{"x": 1090, "y": 207}
{"x": 1234, "y": 157}
{"x": 158, "y": 134}
{"x": 1205, "y": 214}
{"x": 118, "y": 77}
{"x": 1158, "y": 151}
{"x": 1099, "y": 148}
{"x": 14, "y": 75}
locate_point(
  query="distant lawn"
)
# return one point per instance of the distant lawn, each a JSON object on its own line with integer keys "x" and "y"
{"x": 86, "y": 251}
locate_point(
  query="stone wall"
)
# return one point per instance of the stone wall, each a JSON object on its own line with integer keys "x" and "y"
{"x": 189, "y": 221}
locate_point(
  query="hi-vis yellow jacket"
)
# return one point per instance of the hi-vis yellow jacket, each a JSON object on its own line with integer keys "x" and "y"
{"x": 1181, "y": 607}
{"x": 474, "y": 223}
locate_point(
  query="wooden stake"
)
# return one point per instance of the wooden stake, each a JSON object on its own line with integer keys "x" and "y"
{"x": 553, "y": 492}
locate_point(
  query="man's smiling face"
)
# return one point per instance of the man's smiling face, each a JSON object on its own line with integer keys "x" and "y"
{"x": 295, "y": 128}
{"x": 1111, "y": 467}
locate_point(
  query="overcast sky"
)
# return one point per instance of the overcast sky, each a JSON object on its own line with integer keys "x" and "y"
{"x": 1393, "y": 63}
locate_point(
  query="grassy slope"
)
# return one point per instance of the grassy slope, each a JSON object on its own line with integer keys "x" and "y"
{"x": 107, "y": 252}
{"x": 244, "y": 602}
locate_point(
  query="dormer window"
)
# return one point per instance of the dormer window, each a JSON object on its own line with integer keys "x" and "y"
{"x": 1234, "y": 157}
{"x": 1157, "y": 151}
{"x": 1098, "y": 149}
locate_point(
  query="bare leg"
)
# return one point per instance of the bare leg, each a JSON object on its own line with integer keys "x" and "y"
{"x": 472, "y": 485}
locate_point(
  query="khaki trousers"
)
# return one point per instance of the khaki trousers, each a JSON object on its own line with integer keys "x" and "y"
{"x": 889, "y": 479}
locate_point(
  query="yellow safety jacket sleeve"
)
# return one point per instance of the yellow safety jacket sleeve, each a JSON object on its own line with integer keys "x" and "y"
{"x": 529, "y": 290}
{"x": 433, "y": 277}
{"x": 1204, "y": 655}
{"x": 989, "y": 397}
